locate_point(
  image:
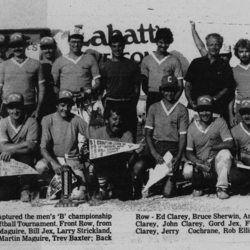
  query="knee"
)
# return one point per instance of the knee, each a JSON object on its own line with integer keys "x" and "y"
{"x": 188, "y": 171}
{"x": 42, "y": 166}
{"x": 138, "y": 167}
{"x": 224, "y": 156}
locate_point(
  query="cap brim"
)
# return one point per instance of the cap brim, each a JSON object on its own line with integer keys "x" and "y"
{"x": 65, "y": 99}
{"x": 204, "y": 108}
{"x": 169, "y": 88}
{"x": 243, "y": 111}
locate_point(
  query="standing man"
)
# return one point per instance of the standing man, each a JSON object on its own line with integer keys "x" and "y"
{"x": 19, "y": 135}
{"x": 242, "y": 78}
{"x": 60, "y": 140}
{"x": 76, "y": 70}
{"x": 24, "y": 75}
{"x": 159, "y": 64}
{"x": 212, "y": 76}
{"x": 225, "y": 52}
{"x": 48, "y": 49}
{"x": 121, "y": 79}
{"x": 208, "y": 144}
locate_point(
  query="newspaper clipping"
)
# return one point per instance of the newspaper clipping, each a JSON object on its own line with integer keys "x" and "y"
{"x": 189, "y": 218}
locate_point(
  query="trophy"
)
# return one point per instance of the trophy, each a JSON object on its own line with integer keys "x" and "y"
{"x": 66, "y": 200}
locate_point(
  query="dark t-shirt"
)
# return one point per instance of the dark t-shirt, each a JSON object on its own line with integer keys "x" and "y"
{"x": 119, "y": 78}
{"x": 210, "y": 79}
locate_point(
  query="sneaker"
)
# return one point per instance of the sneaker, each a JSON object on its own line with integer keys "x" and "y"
{"x": 222, "y": 193}
{"x": 25, "y": 196}
{"x": 197, "y": 192}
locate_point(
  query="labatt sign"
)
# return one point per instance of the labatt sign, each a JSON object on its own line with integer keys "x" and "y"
{"x": 100, "y": 38}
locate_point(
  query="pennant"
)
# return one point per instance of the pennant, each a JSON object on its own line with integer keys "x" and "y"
{"x": 102, "y": 148}
{"x": 12, "y": 167}
{"x": 160, "y": 171}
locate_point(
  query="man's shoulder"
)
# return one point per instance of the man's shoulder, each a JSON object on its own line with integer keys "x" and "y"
{"x": 147, "y": 58}
{"x": 181, "y": 107}
{"x": 99, "y": 133}
{"x": 31, "y": 121}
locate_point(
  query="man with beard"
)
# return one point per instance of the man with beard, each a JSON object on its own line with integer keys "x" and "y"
{"x": 159, "y": 64}
{"x": 48, "y": 49}
{"x": 241, "y": 135}
{"x": 76, "y": 70}
{"x": 112, "y": 170}
{"x": 60, "y": 141}
{"x": 121, "y": 79}
{"x": 242, "y": 78}
{"x": 24, "y": 75}
{"x": 19, "y": 136}
{"x": 212, "y": 76}
{"x": 208, "y": 144}
{"x": 166, "y": 129}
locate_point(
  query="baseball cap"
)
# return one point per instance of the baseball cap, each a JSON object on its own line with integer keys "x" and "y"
{"x": 47, "y": 41}
{"x": 226, "y": 49}
{"x": 168, "y": 82}
{"x": 66, "y": 95}
{"x": 2, "y": 39}
{"x": 245, "y": 106}
{"x": 204, "y": 102}
{"x": 17, "y": 38}
{"x": 14, "y": 98}
{"x": 76, "y": 31}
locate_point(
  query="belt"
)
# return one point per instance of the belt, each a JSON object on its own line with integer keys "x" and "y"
{"x": 118, "y": 99}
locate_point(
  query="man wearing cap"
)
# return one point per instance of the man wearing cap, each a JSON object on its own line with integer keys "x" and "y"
{"x": 210, "y": 75}
{"x": 242, "y": 78}
{"x": 160, "y": 63}
{"x": 48, "y": 48}
{"x": 19, "y": 135}
{"x": 208, "y": 144}
{"x": 241, "y": 135}
{"x": 225, "y": 52}
{"x": 166, "y": 129}
{"x": 24, "y": 75}
{"x": 76, "y": 70}
{"x": 121, "y": 79}
{"x": 3, "y": 48}
{"x": 60, "y": 140}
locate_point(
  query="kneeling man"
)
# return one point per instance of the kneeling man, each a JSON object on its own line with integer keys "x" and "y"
{"x": 60, "y": 141}
{"x": 19, "y": 136}
{"x": 241, "y": 135}
{"x": 208, "y": 144}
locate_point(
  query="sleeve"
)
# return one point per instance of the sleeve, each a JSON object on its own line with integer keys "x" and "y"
{"x": 56, "y": 71}
{"x": 224, "y": 131}
{"x": 190, "y": 140}
{"x": 228, "y": 77}
{"x": 33, "y": 132}
{"x": 94, "y": 68}
{"x": 150, "y": 120}
{"x": 3, "y": 131}
{"x": 183, "y": 121}
{"x": 1, "y": 74}
{"x": 190, "y": 75}
{"x": 41, "y": 78}
{"x": 46, "y": 139}
{"x": 178, "y": 70}
{"x": 144, "y": 68}
{"x": 83, "y": 128}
